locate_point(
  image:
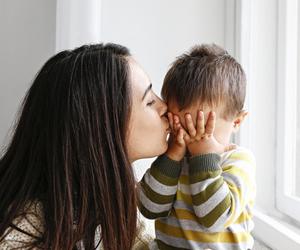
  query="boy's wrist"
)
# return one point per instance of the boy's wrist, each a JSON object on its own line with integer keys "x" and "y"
{"x": 175, "y": 156}
{"x": 167, "y": 166}
{"x": 176, "y": 152}
{"x": 195, "y": 150}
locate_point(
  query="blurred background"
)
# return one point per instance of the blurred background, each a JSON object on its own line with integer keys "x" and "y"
{"x": 262, "y": 35}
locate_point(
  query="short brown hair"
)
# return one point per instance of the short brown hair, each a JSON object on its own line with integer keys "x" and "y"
{"x": 207, "y": 73}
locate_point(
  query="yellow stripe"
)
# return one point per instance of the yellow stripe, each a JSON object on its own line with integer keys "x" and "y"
{"x": 238, "y": 172}
{"x": 244, "y": 156}
{"x": 243, "y": 217}
{"x": 184, "y": 179}
{"x": 226, "y": 237}
{"x": 182, "y": 214}
{"x": 231, "y": 212}
{"x": 186, "y": 198}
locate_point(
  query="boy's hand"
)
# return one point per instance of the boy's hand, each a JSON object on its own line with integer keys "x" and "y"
{"x": 200, "y": 139}
{"x": 177, "y": 148}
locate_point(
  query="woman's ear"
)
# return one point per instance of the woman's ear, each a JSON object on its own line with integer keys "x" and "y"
{"x": 239, "y": 119}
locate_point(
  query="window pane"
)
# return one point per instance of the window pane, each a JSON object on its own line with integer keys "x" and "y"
{"x": 298, "y": 140}
{"x": 297, "y": 176}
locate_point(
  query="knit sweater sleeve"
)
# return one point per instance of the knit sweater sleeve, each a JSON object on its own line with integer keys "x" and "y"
{"x": 158, "y": 187}
{"x": 221, "y": 191}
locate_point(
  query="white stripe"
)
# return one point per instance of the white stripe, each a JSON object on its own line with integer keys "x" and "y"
{"x": 151, "y": 206}
{"x": 185, "y": 167}
{"x": 184, "y": 224}
{"x": 212, "y": 202}
{"x": 182, "y": 205}
{"x": 184, "y": 188}
{"x": 235, "y": 180}
{"x": 202, "y": 185}
{"x": 240, "y": 164}
{"x": 157, "y": 186}
{"x": 239, "y": 182}
{"x": 246, "y": 193}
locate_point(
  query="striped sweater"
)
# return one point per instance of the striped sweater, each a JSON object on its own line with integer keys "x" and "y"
{"x": 202, "y": 202}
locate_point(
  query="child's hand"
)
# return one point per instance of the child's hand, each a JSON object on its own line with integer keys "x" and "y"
{"x": 201, "y": 140}
{"x": 177, "y": 148}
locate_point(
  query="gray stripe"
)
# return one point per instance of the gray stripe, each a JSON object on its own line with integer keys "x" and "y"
{"x": 198, "y": 187}
{"x": 157, "y": 186}
{"x": 220, "y": 222}
{"x": 185, "y": 167}
{"x": 184, "y": 224}
{"x": 172, "y": 241}
{"x": 236, "y": 180}
{"x": 183, "y": 243}
{"x": 212, "y": 202}
{"x": 151, "y": 206}
{"x": 182, "y": 205}
{"x": 246, "y": 226}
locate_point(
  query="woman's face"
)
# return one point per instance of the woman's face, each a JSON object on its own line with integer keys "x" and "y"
{"x": 148, "y": 125}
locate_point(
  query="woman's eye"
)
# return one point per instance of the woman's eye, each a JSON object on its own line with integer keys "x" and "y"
{"x": 151, "y": 103}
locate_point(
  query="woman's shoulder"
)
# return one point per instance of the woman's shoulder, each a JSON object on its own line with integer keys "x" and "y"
{"x": 25, "y": 229}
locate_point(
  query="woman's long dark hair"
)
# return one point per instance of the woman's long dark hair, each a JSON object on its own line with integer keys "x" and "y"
{"x": 68, "y": 151}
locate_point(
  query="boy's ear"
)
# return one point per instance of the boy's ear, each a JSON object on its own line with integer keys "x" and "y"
{"x": 239, "y": 119}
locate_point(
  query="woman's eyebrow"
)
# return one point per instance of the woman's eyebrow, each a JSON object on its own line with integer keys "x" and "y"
{"x": 146, "y": 91}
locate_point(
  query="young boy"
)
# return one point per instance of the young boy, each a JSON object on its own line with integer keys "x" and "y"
{"x": 201, "y": 191}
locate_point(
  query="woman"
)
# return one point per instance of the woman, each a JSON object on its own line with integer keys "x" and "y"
{"x": 66, "y": 180}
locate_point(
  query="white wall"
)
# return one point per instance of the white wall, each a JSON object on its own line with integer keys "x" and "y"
{"x": 155, "y": 31}
{"x": 158, "y": 31}
{"x": 27, "y": 39}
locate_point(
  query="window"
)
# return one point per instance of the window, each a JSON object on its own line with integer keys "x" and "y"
{"x": 288, "y": 109}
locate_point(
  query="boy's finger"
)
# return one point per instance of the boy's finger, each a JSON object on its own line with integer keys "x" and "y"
{"x": 186, "y": 138}
{"x": 190, "y": 125}
{"x": 210, "y": 124}
{"x": 180, "y": 139}
{"x": 176, "y": 119}
{"x": 171, "y": 120}
{"x": 200, "y": 124}
{"x": 177, "y": 126}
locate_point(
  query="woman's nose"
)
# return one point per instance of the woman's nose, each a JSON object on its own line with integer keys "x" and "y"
{"x": 164, "y": 108}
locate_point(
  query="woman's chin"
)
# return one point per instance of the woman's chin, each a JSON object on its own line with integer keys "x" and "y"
{"x": 161, "y": 149}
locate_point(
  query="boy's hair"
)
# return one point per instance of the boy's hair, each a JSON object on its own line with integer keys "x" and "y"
{"x": 207, "y": 74}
